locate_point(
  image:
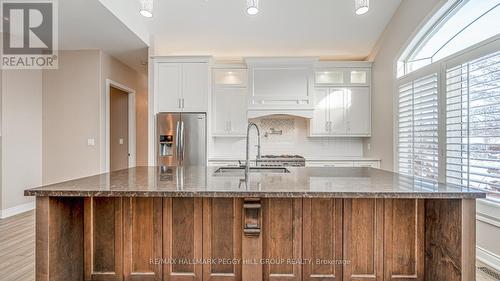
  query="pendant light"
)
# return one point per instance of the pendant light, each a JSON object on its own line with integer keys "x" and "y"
{"x": 252, "y": 7}
{"x": 146, "y": 8}
{"x": 361, "y": 6}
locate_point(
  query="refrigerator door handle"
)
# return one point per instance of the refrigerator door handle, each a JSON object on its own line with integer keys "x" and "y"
{"x": 181, "y": 158}
{"x": 178, "y": 139}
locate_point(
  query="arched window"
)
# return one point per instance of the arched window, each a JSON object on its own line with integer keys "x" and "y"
{"x": 456, "y": 27}
{"x": 448, "y": 118}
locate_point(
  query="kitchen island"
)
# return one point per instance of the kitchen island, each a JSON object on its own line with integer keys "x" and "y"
{"x": 202, "y": 223}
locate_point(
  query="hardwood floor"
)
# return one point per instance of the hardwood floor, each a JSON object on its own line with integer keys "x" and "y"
{"x": 17, "y": 249}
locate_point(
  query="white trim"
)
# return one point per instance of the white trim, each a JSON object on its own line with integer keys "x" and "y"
{"x": 343, "y": 64}
{"x": 490, "y": 259}
{"x": 151, "y": 112}
{"x": 182, "y": 59}
{"x": 19, "y": 209}
{"x": 131, "y": 123}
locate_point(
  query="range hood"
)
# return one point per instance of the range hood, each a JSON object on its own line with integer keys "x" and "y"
{"x": 305, "y": 113}
{"x": 281, "y": 86}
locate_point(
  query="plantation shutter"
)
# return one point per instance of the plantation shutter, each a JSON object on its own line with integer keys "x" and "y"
{"x": 473, "y": 123}
{"x": 418, "y": 128}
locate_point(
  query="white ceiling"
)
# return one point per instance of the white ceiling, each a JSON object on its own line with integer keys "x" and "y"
{"x": 87, "y": 24}
{"x": 325, "y": 28}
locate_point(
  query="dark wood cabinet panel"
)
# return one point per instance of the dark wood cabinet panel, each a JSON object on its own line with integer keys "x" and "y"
{"x": 450, "y": 239}
{"x": 322, "y": 245}
{"x": 222, "y": 233}
{"x": 404, "y": 240}
{"x": 59, "y": 239}
{"x": 103, "y": 238}
{"x": 282, "y": 239}
{"x": 182, "y": 239}
{"x": 363, "y": 239}
{"x": 142, "y": 238}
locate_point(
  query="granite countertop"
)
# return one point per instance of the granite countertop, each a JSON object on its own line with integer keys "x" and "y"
{"x": 196, "y": 181}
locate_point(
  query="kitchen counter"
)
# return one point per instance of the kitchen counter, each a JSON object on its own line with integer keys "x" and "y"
{"x": 196, "y": 181}
{"x": 152, "y": 223}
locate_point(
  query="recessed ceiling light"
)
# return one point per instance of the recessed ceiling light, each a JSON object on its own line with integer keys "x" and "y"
{"x": 252, "y": 7}
{"x": 146, "y": 8}
{"x": 361, "y": 6}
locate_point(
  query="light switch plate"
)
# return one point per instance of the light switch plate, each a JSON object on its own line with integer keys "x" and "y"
{"x": 120, "y": 141}
{"x": 90, "y": 142}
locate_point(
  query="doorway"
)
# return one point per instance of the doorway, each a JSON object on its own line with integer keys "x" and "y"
{"x": 120, "y": 127}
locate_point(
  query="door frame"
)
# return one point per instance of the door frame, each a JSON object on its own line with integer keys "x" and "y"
{"x": 131, "y": 124}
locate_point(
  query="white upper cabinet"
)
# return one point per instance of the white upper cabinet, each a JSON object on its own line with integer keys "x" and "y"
{"x": 168, "y": 81}
{"x": 329, "y": 77}
{"x": 320, "y": 121}
{"x": 195, "y": 87}
{"x": 358, "y": 111}
{"x": 338, "y": 108}
{"x": 341, "y": 112}
{"x": 181, "y": 86}
{"x": 280, "y": 83}
{"x": 229, "y": 111}
{"x": 229, "y": 101}
{"x": 342, "y": 77}
{"x": 342, "y": 100}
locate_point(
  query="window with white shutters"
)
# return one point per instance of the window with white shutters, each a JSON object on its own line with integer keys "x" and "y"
{"x": 418, "y": 128}
{"x": 473, "y": 123}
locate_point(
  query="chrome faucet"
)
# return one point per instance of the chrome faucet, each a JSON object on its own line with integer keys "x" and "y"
{"x": 247, "y": 163}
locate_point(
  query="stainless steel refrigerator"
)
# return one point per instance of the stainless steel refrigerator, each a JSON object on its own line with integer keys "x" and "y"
{"x": 181, "y": 139}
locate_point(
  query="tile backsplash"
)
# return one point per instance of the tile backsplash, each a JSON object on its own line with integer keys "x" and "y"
{"x": 287, "y": 135}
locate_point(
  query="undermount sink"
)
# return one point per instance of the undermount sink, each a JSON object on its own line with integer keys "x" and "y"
{"x": 234, "y": 170}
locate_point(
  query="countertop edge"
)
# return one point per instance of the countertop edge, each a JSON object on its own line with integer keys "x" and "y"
{"x": 266, "y": 194}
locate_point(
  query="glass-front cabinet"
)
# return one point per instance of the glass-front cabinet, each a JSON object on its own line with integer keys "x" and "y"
{"x": 342, "y": 76}
{"x": 230, "y": 78}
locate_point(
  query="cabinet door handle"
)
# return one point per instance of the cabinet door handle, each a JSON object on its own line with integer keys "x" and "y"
{"x": 229, "y": 123}
{"x": 182, "y": 102}
{"x": 179, "y": 102}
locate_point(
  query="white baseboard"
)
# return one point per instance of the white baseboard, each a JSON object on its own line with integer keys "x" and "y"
{"x": 490, "y": 259}
{"x": 12, "y": 211}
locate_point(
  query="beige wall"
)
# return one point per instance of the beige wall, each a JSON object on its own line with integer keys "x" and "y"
{"x": 73, "y": 108}
{"x": 21, "y": 141}
{"x": 407, "y": 19}
{"x": 117, "y": 71}
{"x": 71, "y": 116}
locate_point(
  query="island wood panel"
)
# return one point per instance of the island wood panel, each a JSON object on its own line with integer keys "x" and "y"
{"x": 450, "y": 239}
{"x": 142, "y": 238}
{"x": 322, "y": 244}
{"x": 222, "y": 234}
{"x": 282, "y": 239}
{"x": 59, "y": 239}
{"x": 103, "y": 234}
{"x": 363, "y": 239}
{"x": 404, "y": 239}
{"x": 251, "y": 244}
{"x": 182, "y": 239}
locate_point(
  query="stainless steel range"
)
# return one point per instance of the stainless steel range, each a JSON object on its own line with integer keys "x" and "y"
{"x": 282, "y": 161}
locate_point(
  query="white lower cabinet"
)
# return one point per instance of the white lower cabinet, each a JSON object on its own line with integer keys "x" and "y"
{"x": 234, "y": 163}
{"x": 341, "y": 112}
{"x": 344, "y": 163}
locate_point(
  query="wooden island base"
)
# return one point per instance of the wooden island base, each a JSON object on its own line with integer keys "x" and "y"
{"x": 192, "y": 238}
